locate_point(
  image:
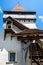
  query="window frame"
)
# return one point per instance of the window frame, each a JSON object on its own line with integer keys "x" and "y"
{"x": 15, "y": 56}
{"x": 12, "y": 57}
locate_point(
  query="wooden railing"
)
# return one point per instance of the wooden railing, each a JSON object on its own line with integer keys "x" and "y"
{"x": 36, "y": 54}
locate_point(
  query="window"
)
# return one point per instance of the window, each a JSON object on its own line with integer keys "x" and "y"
{"x": 9, "y": 23}
{"x": 12, "y": 56}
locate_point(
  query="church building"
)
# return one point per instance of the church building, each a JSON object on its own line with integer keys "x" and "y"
{"x": 21, "y": 43}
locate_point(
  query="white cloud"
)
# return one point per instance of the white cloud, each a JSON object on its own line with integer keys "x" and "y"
{"x": 41, "y": 18}
{"x": 1, "y": 10}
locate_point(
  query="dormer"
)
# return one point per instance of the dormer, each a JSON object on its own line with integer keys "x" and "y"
{"x": 8, "y": 23}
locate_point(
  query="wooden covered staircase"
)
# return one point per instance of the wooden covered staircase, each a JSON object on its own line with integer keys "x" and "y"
{"x": 36, "y": 53}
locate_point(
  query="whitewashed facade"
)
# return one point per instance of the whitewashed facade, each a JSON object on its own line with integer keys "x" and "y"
{"x": 13, "y": 46}
{"x": 8, "y": 46}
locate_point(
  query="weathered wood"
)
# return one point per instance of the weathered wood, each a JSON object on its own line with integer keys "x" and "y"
{"x": 29, "y": 38}
{"x": 19, "y": 25}
{"x": 7, "y": 31}
{"x": 28, "y": 34}
{"x": 4, "y": 34}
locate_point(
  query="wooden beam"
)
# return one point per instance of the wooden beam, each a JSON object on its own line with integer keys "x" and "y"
{"x": 27, "y": 34}
{"x": 29, "y": 38}
{"x": 4, "y": 34}
{"x": 37, "y": 62}
{"x": 19, "y": 25}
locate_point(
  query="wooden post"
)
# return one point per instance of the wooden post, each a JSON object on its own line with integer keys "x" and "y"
{"x": 4, "y": 34}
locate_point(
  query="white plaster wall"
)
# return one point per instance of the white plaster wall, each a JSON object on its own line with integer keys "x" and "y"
{"x": 30, "y": 25}
{"x": 19, "y": 16}
{"x": 9, "y": 45}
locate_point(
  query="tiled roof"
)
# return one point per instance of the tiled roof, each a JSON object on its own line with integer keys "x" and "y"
{"x": 19, "y": 8}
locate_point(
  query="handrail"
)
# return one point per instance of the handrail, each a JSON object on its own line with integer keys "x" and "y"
{"x": 40, "y": 43}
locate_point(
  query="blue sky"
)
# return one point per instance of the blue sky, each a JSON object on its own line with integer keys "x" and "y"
{"x": 29, "y": 5}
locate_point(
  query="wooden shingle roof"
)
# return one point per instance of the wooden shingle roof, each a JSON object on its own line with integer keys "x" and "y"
{"x": 31, "y": 32}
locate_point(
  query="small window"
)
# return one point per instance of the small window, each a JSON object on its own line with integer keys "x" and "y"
{"x": 9, "y": 26}
{"x": 12, "y": 56}
{"x": 8, "y": 22}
